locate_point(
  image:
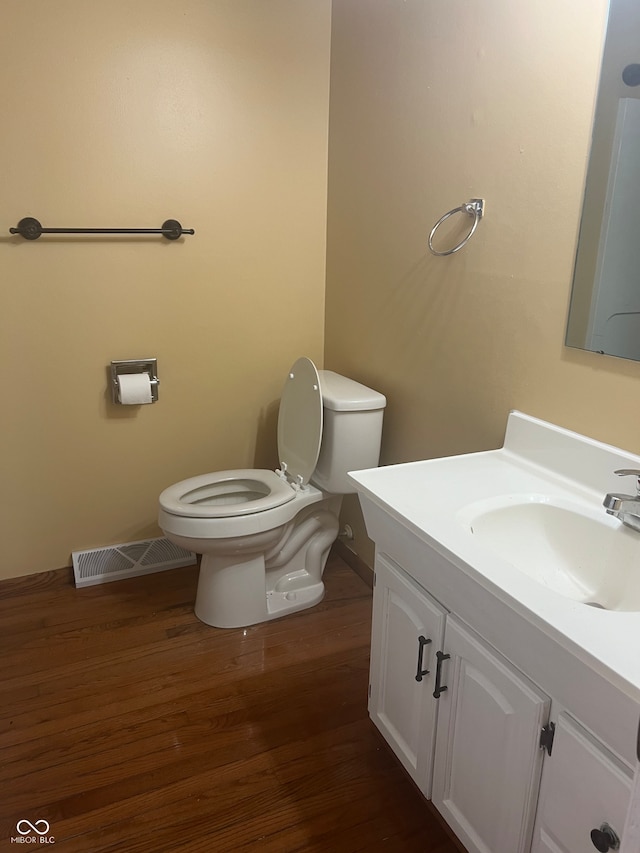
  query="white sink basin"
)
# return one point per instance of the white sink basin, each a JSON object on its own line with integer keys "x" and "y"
{"x": 585, "y": 555}
{"x": 523, "y": 525}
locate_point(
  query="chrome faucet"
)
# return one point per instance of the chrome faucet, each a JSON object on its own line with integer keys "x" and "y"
{"x": 625, "y": 507}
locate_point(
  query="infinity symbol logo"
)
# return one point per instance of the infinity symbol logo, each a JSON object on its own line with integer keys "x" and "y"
{"x": 32, "y": 827}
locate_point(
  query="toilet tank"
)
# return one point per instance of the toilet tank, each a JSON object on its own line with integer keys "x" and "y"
{"x": 351, "y": 433}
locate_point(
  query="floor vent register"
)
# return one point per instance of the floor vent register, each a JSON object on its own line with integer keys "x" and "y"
{"x": 100, "y": 565}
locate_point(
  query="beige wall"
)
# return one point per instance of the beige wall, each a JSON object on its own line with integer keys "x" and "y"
{"x": 125, "y": 114}
{"x": 216, "y": 113}
{"x": 433, "y": 104}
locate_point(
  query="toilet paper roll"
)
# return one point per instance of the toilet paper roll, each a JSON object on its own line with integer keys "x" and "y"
{"x": 134, "y": 388}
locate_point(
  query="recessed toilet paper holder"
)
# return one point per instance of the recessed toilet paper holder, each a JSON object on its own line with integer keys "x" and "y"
{"x": 136, "y": 365}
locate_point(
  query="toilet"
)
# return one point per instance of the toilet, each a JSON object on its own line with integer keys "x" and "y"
{"x": 264, "y": 536}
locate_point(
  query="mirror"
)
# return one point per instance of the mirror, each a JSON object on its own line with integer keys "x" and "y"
{"x": 604, "y": 314}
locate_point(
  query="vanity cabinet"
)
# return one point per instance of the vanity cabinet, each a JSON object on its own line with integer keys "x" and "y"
{"x": 584, "y": 788}
{"x": 444, "y": 699}
{"x": 477, "y": 747}
{"x": 508, "y": 547}
{"x": 408, "y": 629}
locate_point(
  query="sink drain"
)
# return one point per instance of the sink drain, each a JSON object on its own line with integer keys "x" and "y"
{"x": 595, "y": 604}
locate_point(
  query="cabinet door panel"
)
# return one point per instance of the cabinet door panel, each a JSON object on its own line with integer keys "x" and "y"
{"x": 545, "y": 845}
{"x": 401, "y": 707}
{"x": 488, "y": 759}
{"x": 583, "y": 786}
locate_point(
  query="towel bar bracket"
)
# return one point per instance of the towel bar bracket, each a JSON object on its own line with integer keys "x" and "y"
{"x": 29, "y": 228}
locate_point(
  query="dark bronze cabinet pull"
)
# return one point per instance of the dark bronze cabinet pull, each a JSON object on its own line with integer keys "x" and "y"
{"x": 422, "y": 642}
{"x": 440, "y": 688}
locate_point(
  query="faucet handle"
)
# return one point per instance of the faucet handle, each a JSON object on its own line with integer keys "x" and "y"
{"x": 630, "y": 472}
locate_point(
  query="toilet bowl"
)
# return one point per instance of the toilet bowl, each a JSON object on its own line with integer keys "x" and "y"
{"x": 264, "y": 536}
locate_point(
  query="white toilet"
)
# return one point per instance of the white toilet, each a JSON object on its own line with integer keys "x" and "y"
{"x": 265, "y": 536}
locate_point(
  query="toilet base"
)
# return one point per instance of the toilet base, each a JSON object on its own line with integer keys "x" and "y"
{"x": 231, "y": 593}
{"x": 262, "y": 580}
{"x": 281, "y": 603}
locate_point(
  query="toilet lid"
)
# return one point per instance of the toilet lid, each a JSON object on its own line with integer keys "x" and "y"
{"x": 300, "y": 421}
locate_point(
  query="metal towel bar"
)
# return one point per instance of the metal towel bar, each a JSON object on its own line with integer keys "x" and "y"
{"x": 31, "y": 229}
{"x": 474, "y": 207}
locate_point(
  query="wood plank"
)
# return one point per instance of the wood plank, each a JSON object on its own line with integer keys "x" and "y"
{"x": 129, "y": 725}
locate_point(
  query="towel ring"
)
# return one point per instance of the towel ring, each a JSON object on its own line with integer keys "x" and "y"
{"x": 474, "y": 207}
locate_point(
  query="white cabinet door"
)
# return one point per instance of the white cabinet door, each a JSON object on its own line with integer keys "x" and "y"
{"x": 488, "y": 758}
{"x": 408, "y": 627}
{"x": 583, "y": 787}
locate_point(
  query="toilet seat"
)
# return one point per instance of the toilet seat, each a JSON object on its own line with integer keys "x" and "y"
{"x": 245, "y": 491}
{"x": 224, "y": 494}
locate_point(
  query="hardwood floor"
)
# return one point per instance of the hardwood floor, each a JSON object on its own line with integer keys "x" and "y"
{"x": 128, "y": 725}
